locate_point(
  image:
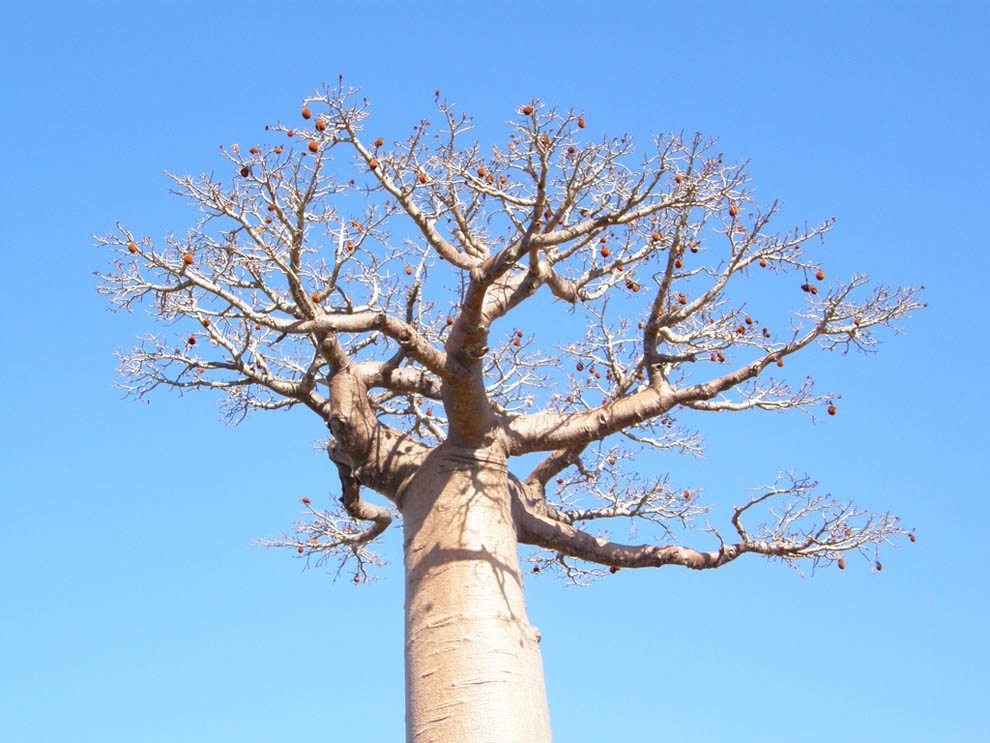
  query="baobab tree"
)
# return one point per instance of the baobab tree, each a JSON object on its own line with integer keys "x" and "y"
{"x": 392, "y": 287}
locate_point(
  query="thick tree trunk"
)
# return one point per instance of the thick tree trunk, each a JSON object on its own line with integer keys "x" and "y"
{"x": 473, "y": 667}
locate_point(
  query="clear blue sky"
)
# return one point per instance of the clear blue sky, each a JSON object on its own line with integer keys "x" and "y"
{"x": 131, "y": 605}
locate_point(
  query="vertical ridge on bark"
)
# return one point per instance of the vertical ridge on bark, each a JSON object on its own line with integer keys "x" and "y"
{"x": 473, "y": 665}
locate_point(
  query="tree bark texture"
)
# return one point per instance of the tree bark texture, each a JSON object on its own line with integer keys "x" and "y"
{"x": 473, "y": 666}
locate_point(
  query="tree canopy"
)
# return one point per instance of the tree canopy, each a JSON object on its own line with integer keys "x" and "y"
{"x": 561, "y": 294}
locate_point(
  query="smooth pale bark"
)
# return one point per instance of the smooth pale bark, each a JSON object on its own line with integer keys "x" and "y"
{"x": 473, "y": 666}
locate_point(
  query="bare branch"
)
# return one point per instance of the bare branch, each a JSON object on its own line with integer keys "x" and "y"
{"x": 802, "y": 526}
{"x": 390, "y": 287}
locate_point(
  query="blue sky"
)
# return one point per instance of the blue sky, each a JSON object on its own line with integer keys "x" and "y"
{"x": 133, "y": 607}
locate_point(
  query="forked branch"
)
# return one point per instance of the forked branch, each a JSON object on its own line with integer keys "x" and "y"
{"x": 798, "y": 525}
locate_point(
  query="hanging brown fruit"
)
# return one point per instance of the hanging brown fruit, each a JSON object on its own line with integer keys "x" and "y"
{"x": 580, "y": 123}
{"x": 321, "y": 125}
{"x": 819, "y": 274}
{"x": 527, "y": 110}
{"x": 373, "y": 164}
{"x": 254, "y": 150}
{"x": 912, "y": 537}
{"x": 842, "y": 564}
{"x": 733, "y": 210}
{"x": 879, "y": 566}
{"x": 780, "y": 362}
{"x": 131, "y": 247}
{"x": 379, "y": 142}
{"x": 188, "y": 259}
{"x": 305, "y": 500}
{"x": 831, "y": 409}
{"x": 614, "y": 569}
{"x": 313, "y": 146}
{"x": 306, "y": 113}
